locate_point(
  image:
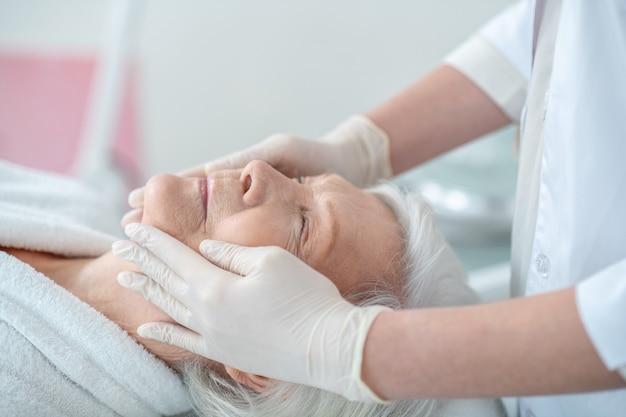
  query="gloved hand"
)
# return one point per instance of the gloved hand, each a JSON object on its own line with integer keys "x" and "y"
{"x": 265, "y": 313}
{"x": 357, "y": 149}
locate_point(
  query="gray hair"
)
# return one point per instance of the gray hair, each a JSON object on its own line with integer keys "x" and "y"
{"x": 432, "y": 276}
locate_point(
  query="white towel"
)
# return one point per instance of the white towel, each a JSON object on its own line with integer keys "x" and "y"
{"x": 52, "y": 213}
{"x": 60, "y": 357}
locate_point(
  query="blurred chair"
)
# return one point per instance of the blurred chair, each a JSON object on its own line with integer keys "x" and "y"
{"x": 76, "y": 114}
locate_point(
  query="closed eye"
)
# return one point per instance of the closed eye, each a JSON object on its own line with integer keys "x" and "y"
{"x": 303, "y": 226}
{"x": 303, "y": 215}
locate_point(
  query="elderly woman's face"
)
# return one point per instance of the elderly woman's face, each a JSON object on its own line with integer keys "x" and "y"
{"x": 341, "y": 231}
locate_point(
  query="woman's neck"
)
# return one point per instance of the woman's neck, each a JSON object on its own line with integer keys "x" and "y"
{"x": 94, "y": 281}
{"x": 66, "y": 272}
{"x": 77, "y": 275}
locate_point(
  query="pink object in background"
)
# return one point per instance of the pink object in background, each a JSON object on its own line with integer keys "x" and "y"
{"x": 43, "y": 104}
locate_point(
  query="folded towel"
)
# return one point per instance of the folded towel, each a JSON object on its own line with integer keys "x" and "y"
{"x": 52, "y": 213}
{"x": 61, "y": 357}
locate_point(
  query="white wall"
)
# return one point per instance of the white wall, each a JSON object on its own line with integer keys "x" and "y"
{"x": 220, "y": 75}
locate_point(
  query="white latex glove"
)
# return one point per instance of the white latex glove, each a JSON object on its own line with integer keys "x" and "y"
{"x": 272, "y": 315}
{"x": 357, "y": 149}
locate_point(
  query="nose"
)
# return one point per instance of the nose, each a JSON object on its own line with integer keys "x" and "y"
{"x": 261, "y": 182}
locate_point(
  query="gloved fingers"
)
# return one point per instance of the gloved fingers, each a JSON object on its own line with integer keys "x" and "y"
{"x": 235, "y": 160}
{"x": 270, "y": 150}
{"x": 282, "y": 151}
{"x": 151, "y": 266}
{"x": 133, "y": 216}
{"x": 156, "y": 294}
{"x": 173, "y": 334}
{"x": 187, "y": 264}
{"x": 138, "y": 283}
{"x": 194, "y": 171}
{"x": 135, "y": 197}
{"x": 241, "y": 260}
{"x": 222, "y": 254}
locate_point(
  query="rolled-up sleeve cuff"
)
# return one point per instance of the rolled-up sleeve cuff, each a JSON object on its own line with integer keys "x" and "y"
{"x": 482, "y": 63}
{"x": 601, "y": 301}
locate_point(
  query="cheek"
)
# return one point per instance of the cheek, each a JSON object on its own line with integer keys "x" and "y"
{"x": 252, "y": 228}
{"x": 173, "y": 207}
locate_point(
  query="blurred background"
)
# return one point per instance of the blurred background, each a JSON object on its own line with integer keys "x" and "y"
{"x": 160, "y": 85}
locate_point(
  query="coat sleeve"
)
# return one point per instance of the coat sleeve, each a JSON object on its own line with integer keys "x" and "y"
{"x": 601, "y": 301}
{"x": 498, "y": 58}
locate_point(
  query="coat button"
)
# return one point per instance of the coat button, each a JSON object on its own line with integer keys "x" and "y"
{"x": 542, "y": 265}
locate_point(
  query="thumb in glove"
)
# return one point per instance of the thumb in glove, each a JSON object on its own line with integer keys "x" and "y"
{"x": 266, "y": 313}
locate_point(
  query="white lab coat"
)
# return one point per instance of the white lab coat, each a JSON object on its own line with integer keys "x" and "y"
{"x": 571, "y": 209}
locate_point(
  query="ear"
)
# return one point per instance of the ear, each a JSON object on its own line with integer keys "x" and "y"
{"x": 256, "y": 382}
